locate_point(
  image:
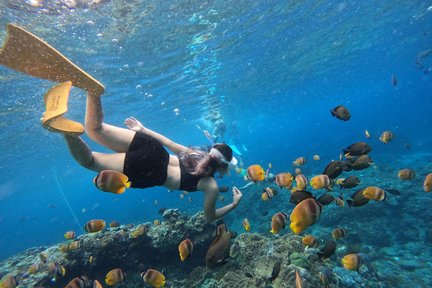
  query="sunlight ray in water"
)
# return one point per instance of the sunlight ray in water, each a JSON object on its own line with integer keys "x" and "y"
{"x": 60, "y": 190}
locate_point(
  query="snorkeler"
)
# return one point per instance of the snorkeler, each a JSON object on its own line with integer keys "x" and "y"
{"x": 140, "y": 152}
{"x": 219, "y": 127}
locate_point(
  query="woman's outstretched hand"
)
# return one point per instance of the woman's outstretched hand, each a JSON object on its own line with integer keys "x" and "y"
{"x": 237, "y": 195}
{"x": 133, "y": 124}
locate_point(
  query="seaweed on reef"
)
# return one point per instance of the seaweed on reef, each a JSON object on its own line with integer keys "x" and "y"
{"x": 247, "y": 279}
{"x": 196, "y": 277}
{"x": 294, "y": 243}
{"x": 287, "y": 278}
{"x": 242, "y": 279}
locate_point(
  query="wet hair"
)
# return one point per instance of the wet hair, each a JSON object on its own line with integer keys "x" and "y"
{"x": 204, "y": 164}
{"x": 225, "y": 150}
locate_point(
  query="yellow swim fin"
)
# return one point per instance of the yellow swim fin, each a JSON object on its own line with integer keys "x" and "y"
{"x": 56, "y": 101}
{"x": 56, "y": 105}
{"x": 26, "y": 53}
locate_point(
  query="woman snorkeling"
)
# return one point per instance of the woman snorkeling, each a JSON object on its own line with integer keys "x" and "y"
{"x": 140, "y": 152}
{"x": 141, "y": 156}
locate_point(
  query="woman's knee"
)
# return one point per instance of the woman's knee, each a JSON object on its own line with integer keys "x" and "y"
{"x": 80, "y": 151}
{"x": 87, "y": 162}
{"x": 93, "y": 131}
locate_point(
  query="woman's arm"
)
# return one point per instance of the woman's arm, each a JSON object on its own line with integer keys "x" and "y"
{"x": 209, "y": 186}
{"x": 134, "y": 125}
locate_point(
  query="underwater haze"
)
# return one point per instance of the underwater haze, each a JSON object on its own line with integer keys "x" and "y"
{"x": 271, "y": 71}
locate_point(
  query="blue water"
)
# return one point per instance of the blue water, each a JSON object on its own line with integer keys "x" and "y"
{"x": 272, "y": 69}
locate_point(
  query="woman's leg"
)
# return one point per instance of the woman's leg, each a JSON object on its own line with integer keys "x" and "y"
{"x": 93, "y": 160}
{"x": 112, "y": 137}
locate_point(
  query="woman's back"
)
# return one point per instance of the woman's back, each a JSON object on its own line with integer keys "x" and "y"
{"x": 173, "y": 179}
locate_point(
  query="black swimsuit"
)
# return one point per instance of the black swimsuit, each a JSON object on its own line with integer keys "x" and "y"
{"x": 188, "y": 182}
{"x": 146, "y": 165}
{"x": 146, "y": 162}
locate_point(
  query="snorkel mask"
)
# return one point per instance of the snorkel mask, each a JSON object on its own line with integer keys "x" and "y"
{"x": 223, "y": 152}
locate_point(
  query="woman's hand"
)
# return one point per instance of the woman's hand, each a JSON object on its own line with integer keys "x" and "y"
{"x": 133, "y": 124}
{"x": 237, "y": 195}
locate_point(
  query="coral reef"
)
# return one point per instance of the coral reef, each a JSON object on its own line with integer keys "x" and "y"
{"x": 95, "y": 254}
{"x": 135, "y": 248}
